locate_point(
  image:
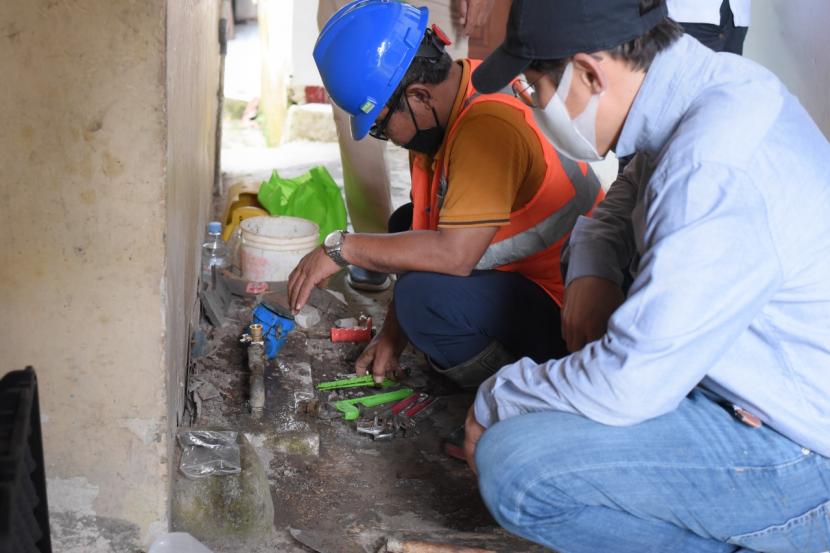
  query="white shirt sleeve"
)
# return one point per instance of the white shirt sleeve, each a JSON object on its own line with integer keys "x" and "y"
{"x": 708, "y": 267}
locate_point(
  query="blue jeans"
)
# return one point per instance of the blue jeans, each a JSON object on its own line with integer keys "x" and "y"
{"x": 452, "y": 319}
{"x": 694, "y": 480}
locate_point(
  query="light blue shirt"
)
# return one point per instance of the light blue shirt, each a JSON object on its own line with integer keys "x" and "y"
{"x": 725, "y": 217}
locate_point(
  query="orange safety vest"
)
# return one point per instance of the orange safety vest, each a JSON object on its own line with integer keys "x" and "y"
{"x": 531, "y": 244}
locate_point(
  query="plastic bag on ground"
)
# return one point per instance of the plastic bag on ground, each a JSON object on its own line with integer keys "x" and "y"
{"x": 209, "y": 452}
{"x": 313, "y": 195}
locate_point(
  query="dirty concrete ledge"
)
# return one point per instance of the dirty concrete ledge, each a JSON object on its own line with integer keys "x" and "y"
{"x": 323, "y": 475}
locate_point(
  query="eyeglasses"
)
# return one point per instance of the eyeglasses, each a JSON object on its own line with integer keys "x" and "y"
{"x": 525, "y": 91}
{"x": 378, "y": 130}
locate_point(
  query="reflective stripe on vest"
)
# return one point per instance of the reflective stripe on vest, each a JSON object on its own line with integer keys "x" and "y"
{"x": 549, "y": 230}
{"x": 531, "y": 244}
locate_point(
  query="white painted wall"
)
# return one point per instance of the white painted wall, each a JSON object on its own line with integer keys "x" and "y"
{"x": 790, "y": 38}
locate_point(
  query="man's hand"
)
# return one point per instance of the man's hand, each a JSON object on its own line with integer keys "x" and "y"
{"x": 383, "y": 351}
{"x": 309, "y": 272}
{"x": 474, "y": 13}
{"x": 472, "y": 433}
{"x": 589, "y": 303}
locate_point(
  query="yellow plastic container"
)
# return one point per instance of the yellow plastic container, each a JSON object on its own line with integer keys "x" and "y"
{"x": 239, "y": 214}
{"x": 242, "y": 194}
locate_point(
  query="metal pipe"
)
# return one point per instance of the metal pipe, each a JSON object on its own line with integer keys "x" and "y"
{"x": 256, "y": 364}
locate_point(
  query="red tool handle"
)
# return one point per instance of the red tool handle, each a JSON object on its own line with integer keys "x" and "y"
{"x": 418, "y": 407}
{"x": 403, "y": 404}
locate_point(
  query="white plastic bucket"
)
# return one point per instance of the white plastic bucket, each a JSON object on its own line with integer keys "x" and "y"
{"x": 272, "y": 246}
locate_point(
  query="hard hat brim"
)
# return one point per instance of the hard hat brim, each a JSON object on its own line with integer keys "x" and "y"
{"x": 361, "y": 124}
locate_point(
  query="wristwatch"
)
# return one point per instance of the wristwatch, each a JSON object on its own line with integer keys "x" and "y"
{"x": 332, "y": 245}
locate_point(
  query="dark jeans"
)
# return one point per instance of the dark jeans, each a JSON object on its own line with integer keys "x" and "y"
{"x": 452, "y": 319}
{"x": 725, "y": 37}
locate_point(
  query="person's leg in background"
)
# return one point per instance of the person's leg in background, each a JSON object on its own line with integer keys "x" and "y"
{"x": 707, "y": 34}
{"x": 365, "y": 177}
{"x": 725, "y": 37}
{"x": 693, "y": 480}
{"x": 733, "y": 37}
{"x": 446, "y": 14}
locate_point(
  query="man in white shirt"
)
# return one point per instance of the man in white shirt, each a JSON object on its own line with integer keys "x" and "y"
{"x": 694, "y": 415}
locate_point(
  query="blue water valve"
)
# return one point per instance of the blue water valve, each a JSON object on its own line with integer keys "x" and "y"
{"x": 276, "y": 324}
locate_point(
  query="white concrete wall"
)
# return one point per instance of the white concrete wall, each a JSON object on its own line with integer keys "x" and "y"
{"x": 790, "y": 37}
{"x": 104, "y": 187}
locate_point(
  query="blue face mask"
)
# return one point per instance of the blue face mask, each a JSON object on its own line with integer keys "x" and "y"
{"x": 426, "y": 141}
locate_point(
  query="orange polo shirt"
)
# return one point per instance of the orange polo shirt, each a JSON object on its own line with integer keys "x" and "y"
{"x": 496, "y": 164}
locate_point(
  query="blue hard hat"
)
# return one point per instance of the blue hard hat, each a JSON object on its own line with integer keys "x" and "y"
{"x": 363, "y": 53}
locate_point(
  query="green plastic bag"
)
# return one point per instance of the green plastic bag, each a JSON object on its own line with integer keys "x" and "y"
{"x": 313, "y": 196}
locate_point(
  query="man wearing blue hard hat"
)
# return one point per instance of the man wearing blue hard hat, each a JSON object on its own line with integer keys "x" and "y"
{"x": 478, "y": 249}
{"x": 694, "y": 414}
{"x": 366, "y": 183}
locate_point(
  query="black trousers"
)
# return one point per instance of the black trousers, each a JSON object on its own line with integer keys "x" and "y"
{"x": 725, "y": 37}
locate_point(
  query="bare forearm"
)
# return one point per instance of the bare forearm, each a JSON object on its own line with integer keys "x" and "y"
{"x": 421, "y": 250}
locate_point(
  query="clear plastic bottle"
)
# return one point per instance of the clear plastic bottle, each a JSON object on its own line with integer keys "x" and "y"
{"x": 214, "y": 251}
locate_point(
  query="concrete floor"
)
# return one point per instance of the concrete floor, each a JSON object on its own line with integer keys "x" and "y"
{"x": 323, "y": 475}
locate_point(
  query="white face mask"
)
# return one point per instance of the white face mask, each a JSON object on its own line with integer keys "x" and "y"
{"x": 575, "y": 138}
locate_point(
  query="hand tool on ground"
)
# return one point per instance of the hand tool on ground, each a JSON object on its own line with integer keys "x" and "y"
{"x": 379, "y": 428}
{"x": 350, "y": 407}
{"x": 354, "y": 382}
{"x": 419, "y": 407}
{"x": 383, "y": 426}
{"x": 408, "y": 418}
{"x": 401, "y": 417}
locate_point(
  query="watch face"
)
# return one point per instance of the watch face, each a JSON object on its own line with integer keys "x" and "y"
{"x": 332, "y": 239}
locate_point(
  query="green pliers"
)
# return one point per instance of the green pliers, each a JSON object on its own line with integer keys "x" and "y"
{"x": 351, "y": 411}
{"x": 356, "y": 382}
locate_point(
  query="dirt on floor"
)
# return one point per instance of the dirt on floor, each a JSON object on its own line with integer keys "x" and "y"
{"x": 344, "y": 490}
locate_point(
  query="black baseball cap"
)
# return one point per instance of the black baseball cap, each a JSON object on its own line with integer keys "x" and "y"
{"x": 556, "y": 29}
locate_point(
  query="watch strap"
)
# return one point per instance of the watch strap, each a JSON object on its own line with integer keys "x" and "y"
{"x": 334, "y": 252}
